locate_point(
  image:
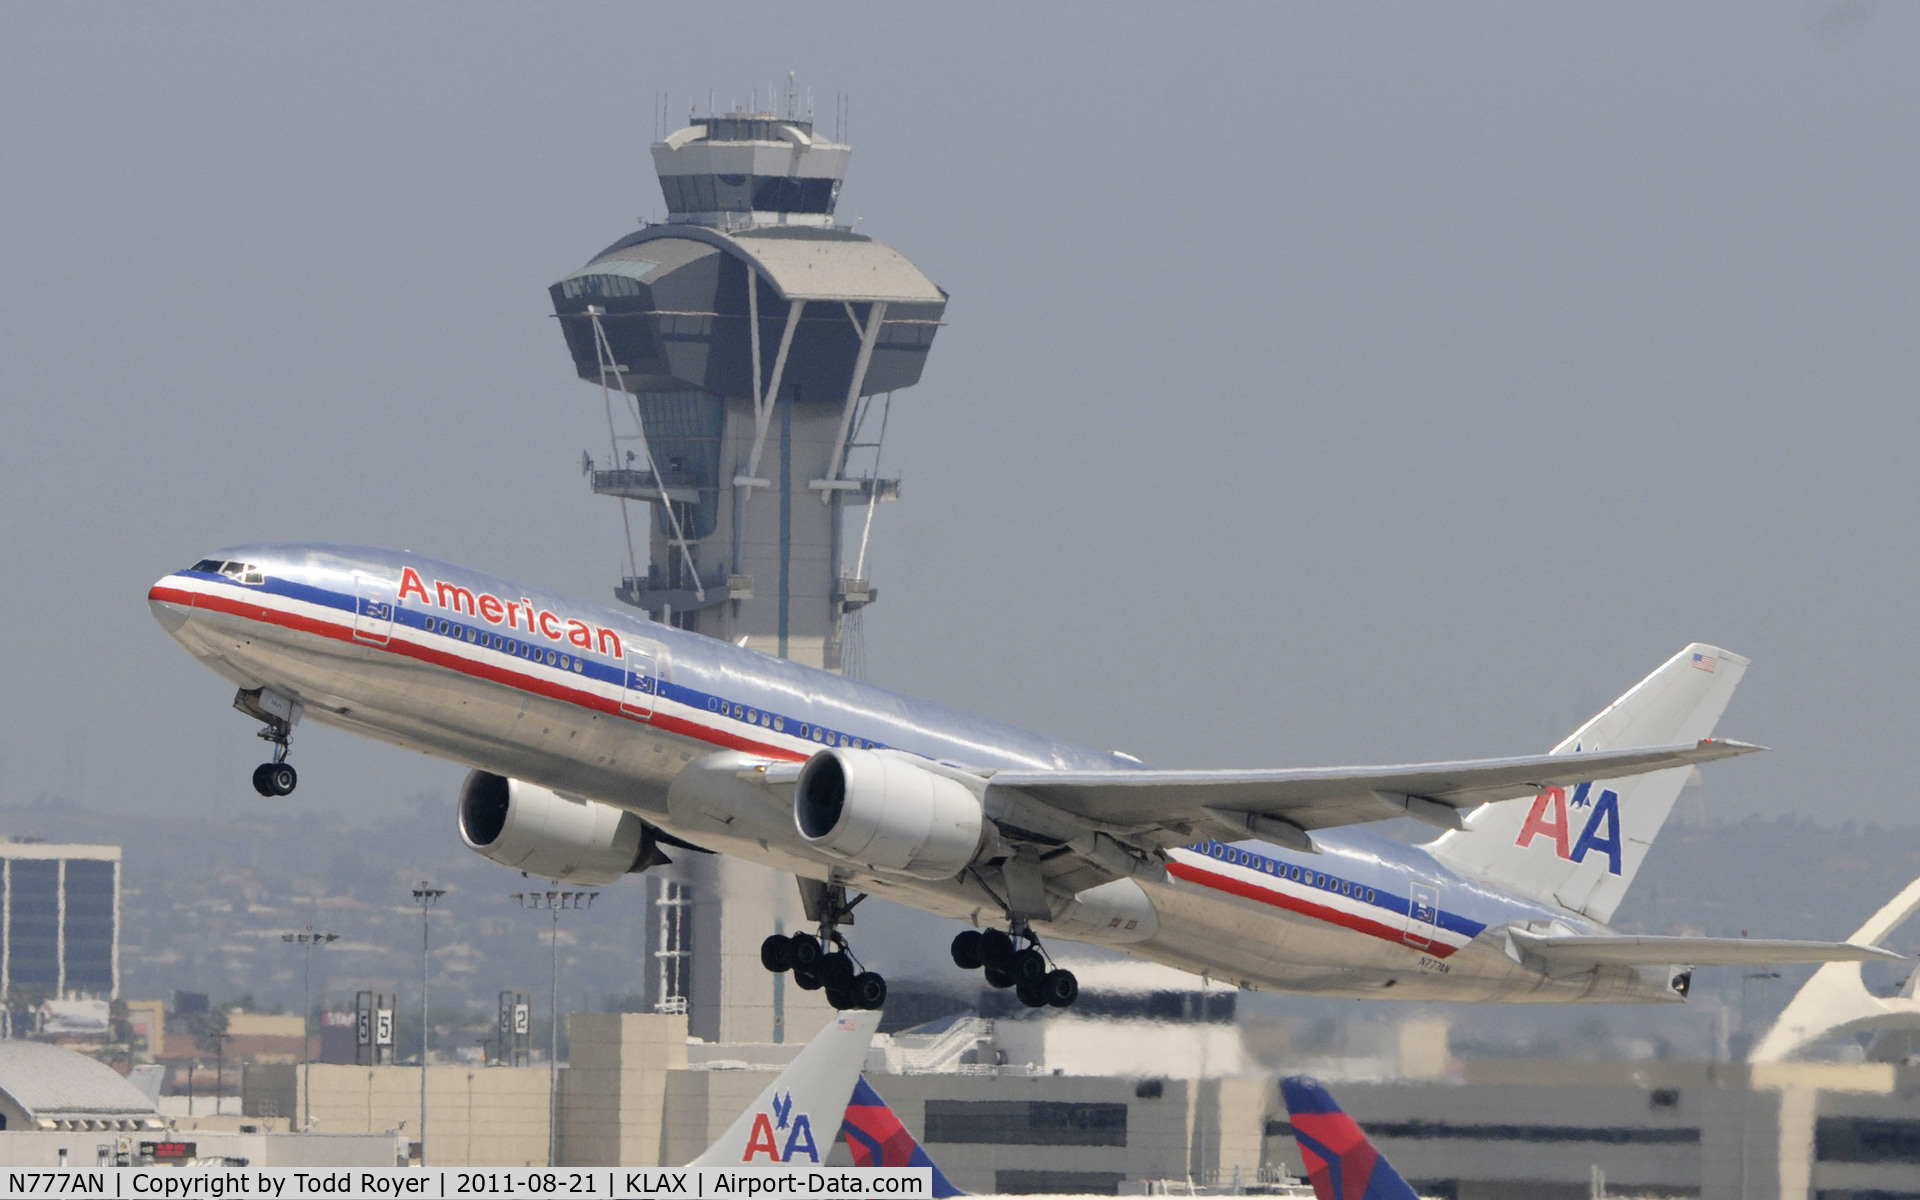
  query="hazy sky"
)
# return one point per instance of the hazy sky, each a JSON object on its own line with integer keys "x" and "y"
{"x": 1322, "y": 383}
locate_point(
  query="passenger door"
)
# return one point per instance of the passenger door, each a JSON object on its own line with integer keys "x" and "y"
{"x": 643, "y": 683}
{"x": 1423, "y": 914}
{"x": 373, "y": 609}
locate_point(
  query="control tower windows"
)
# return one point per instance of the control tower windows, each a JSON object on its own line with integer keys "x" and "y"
{"x": 600, "y": 287}
{"x": 784, "y": 193}
{"x": 732, "y": 193}
{"x": 683, "y": 431}
{"x": 749, "y": 129}
{"x": 748, "y": 193}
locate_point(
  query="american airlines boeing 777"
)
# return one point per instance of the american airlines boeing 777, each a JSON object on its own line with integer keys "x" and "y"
{"x": 599, "y": 740}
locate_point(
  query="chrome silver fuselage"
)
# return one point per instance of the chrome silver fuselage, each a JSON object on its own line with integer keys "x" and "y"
{"x": 603, "y": 704}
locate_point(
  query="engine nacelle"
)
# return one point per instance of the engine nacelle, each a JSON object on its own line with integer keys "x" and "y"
{"x": 884, "y": 812}
{"x": 543, "y": 833}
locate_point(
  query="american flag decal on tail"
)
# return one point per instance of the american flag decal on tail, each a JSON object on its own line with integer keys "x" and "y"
{"x": 1704, "y": 662}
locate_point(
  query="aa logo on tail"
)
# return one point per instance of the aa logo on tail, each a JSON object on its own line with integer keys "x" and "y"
{"x": 799, "y": 1133}
{"x": 1549, "y": 818}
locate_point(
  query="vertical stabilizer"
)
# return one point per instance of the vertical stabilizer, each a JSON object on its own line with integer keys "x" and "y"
{"x": 1579, "y": 847}
{"x": 1339, "y": 1159}
{"x": 876, "y": 1138}
{"x": 795, "y": 1118}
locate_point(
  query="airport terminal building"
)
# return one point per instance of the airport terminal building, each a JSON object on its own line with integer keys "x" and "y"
{"x": 641, "y": 1093}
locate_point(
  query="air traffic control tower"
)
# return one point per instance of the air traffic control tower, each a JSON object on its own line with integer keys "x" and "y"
{"x": 746, "y": 350}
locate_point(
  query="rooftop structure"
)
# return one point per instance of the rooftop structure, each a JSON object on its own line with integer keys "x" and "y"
{"x": 751, "y": 168}
{"x": 1837, "y": 1004}
{"x": 47, "y": 1087}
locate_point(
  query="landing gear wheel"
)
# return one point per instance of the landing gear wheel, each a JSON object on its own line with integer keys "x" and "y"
{"x": 776, "y": 953}
{"x": 803, "y": 950}
{"x": 996, "y": 948}
{"x": 966, "y": 950}
{"x": 836, "y": 971}
{"x": 869, "y": 990}
{"x": 260, "y": 781}
{"x": 839, "y": 999}
{"x": 1028, "y": 967}
{"x": 998, "y": 977}
{"x": 1029, "y": 994}
{"x": 1060, "y": 988}
{"x": 806, "y": 977}
{"x": 275, "y": 779}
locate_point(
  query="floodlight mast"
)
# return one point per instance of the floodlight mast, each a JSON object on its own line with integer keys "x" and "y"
{"x": 306, "y": 939}
{"x": 554, "y": 901}
{"x": 426, "y": 895}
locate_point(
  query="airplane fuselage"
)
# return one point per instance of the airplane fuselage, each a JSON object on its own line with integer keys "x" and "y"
{"x": 599, "y": 703}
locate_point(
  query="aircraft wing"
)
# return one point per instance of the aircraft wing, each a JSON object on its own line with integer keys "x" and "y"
{"x": 1270, "y": 802}
{"x": 1693, "y": 951}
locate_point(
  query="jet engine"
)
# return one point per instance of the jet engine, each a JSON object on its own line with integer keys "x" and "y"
{"x": 543, "y": 833}
{"x": 887, "y": 813}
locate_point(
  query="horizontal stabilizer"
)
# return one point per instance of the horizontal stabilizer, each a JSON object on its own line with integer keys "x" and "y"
{"x": 1691, "y": 951}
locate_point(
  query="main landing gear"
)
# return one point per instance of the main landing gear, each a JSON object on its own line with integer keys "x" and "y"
{"x": 278, "y": 714}
{"x": 825, "y": 960}
{"x": 1028, "y": 970}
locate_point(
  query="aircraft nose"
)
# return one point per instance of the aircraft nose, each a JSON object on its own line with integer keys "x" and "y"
{"x": 171, "y": 614}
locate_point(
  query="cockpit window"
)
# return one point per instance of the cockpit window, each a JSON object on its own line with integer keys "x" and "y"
{"x": 237, "y": 571}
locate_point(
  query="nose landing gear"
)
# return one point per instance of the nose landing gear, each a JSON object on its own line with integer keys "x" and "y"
{"x": 275, "y": 778}
{"x": 1028, "y": 970}
{"x": 279, "y": 714}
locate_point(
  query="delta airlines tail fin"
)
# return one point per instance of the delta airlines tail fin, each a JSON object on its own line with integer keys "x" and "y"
{"x": 876, "y": 1138}
{"x": 793, "y": 1120}
{"x": 1340, "y": 1161}
{"x": 1581, "y": 848}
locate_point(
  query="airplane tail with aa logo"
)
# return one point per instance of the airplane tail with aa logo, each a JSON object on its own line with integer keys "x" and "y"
{"x": 1580, "y": 847}
{"x": 794, "y": 1120}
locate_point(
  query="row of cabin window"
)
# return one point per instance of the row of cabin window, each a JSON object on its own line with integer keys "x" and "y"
{"x": 480, "y": 637}
{"x": 767, "y": 720}
{"x": 1268, "y": 866}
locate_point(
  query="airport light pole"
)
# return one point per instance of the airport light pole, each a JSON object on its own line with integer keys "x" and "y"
{"x": 426, "y": 895}
{"x": 1746, "y": 1038}
{"x": 219, "y": 1068}
{"x": 553, "y": 902}
{"x": 306, "y": 939}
